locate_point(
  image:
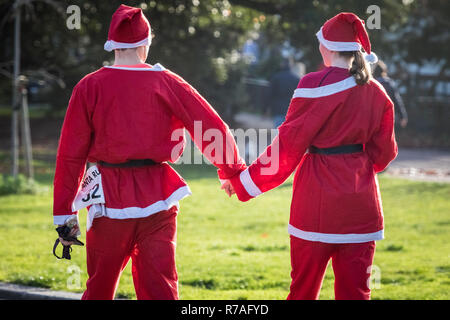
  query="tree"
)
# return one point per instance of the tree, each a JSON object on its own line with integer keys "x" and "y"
{"x": 201, "y": 39}
{"x": 18, "y": 84}
{"x": 197, "y": 39}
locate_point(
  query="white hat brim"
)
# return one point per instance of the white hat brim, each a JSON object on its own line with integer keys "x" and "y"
{"x": 337, "y": 45}
{"x": 111, "y": 45}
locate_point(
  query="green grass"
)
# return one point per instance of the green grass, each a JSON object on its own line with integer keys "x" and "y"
{"x": 35, "y": 110}
{"x": 232, "y": 250}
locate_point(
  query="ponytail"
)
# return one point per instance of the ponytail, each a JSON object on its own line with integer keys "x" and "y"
{"x": 360, "y": 69}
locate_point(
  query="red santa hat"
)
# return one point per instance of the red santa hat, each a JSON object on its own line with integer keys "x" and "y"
{"x": 346, "y": 32}
{"x": 129, "y": 28}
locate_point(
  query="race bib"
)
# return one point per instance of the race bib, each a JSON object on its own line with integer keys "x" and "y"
{"x": 91, "y": 191}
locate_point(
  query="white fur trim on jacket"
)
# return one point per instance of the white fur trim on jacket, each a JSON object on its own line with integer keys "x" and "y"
{"x": 137, "y": 212}
{"x": 249, "y": 185}
{"x": 99, "y": 210}
{"x": 335, "y": 238}
{"x": 156, "y": 67}
{"x": 325, "y": 90}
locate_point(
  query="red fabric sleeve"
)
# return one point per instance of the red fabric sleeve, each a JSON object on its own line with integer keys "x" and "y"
{"x": 304, "y": 119}
{"x": 208, "y": 131}
{"x": 72, "y": 153}
{"x": 382, "y": 147}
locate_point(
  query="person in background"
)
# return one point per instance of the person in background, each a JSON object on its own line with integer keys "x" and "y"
{"x": 380, "y": 72}
{"x": 282, "y": 83}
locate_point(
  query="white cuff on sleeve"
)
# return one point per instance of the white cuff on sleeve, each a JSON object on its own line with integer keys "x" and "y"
{"x": 249, "y": 185}
{"x": 59, "y": 220}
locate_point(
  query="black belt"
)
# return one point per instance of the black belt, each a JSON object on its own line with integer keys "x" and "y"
{"x": 350, "y": 148}
{"x": 129, "y": 164}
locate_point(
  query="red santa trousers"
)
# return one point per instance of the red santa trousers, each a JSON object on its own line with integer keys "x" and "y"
{"x": 351, "y": 265}
{"x": 149, "y": 242}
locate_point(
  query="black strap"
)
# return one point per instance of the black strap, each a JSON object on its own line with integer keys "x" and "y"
{"x": 129, "y": 164}
{"x": 64, "y": 233}
{"x": 65, "y": 253}
{"x": 350, "y": 148}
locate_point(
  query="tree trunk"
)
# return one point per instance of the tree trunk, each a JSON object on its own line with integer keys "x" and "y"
{"x": 15, "y": 98}
{"x": 26, "y": 135}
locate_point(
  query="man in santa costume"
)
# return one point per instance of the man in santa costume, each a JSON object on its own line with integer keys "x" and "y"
{"x": 346, "y": 121}
{"x": 122, "y": 117}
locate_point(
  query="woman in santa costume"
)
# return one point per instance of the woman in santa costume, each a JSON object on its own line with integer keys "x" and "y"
{"x": 345, "y": 120}
{"x": 123, "y": 118}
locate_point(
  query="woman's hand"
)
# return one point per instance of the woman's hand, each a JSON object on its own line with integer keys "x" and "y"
{"x": 65, "y": 242}
{"x": 228, "y": 187}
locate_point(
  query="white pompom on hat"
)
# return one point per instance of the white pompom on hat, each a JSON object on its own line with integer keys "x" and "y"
{"x": 129, "y": 28}
{"x": 346, "y": 32}
{"x": 371, "y": 58}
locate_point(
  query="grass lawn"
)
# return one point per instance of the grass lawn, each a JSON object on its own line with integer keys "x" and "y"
{"x": 232, "y": 250}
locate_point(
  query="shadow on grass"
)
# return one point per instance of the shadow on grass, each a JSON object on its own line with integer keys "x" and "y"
{"x": 32, "y": 281}
{"x": 209, "y": 284}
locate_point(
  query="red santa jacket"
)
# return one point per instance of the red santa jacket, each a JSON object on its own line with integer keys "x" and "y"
{"x": 336, "y": 198}
{"x": 122, "y": 113}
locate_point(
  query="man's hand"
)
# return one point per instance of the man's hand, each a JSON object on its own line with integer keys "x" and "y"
{"x": 64, "y": 242}
{"x": 228, "y": 187}
{"x": 67, "y": 236}
{"x": 73, "y": 229}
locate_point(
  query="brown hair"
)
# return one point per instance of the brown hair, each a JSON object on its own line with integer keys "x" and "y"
{"x": 380, "y": 69}
{"x": 125, "y": 49}
{"x": 360, "y": 69}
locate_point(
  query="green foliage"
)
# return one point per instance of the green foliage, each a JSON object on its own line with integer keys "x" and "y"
{"x": 201, "y": 40}
{"x": 297, "y": 22}
{"x": 19, "y": 185}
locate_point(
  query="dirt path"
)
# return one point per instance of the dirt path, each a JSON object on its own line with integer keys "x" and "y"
{"x": 416, "y": 164}
{"x": 422, "y": 164}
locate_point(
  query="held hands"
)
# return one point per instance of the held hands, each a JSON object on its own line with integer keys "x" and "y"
{"x": 227, "y": 186}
